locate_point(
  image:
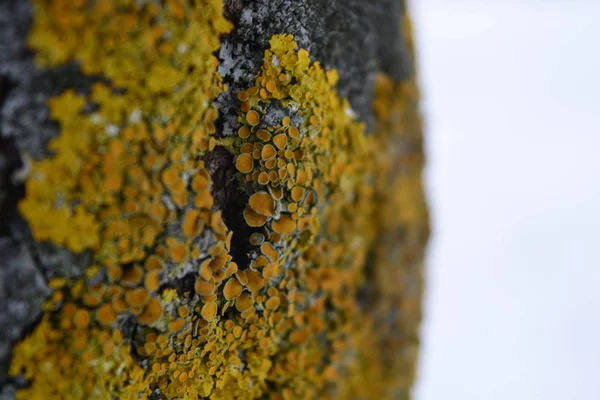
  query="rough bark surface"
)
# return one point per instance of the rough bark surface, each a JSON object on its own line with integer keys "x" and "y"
{"x": 25, "y": 128}
{"x": 359, "y": 39}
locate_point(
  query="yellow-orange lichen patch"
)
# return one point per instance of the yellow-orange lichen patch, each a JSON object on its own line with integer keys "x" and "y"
{"x": 204, "y": 288}
{"x": 183, "y": 311}
{"x": 242, "y": 277}
{"x": 119, "y": 304}
{"x": 244, "y": 163}
{"x": 203, "y": 200}
{"x": 244, "y": 132}
{"x": 276, "y": 192}
{"x": 131, "y": 187}
{"x": 137, "y": 297}
{"x": 190, "y": 223}
{"x": 153, "y": 263}
{"x": 242, "y": 95}
{"x": 263, "y": 178}
{"x": 263, "y": 135}
{"x": 209, "y": 311}
{"x": 280, "y": 141}
{"x": 244, "y": 302}
{"x": 237, "y": 331}
{"x": 106, "y": 315}
{"x": 271, "y": 271}
{"x": 205, "y": 270}
{"x": 253, "y": 218}
{"x": 325, "y": 150}
{"x": 273, "y": 303}
{"x": 262, "y": 203}
{"x": 284, "y": 225}
{"x": 268, "y": 250}
{"x": 247, "y": 148}
{"x": 252, "y": 117}
{"x": 119, "y": 178}
{"x": 151, "y": 312}
{"x": 268, "y": 152}
{"x": 81, "y": 318}
{"x": 200, "y": 181}
{"x": 132, "y": 275}
{"x": 92, "y": 299}
{"x": 177, "y": 251}
{"x": 232, "y": 289}
{"x": 260, "y": 262}
{"x": 293, "y": 132}
{"x": 255, "y": 281}
{"x": 152, "y": 280}
{"x": 297, "y": 193}
{"x": 176, "y": 325}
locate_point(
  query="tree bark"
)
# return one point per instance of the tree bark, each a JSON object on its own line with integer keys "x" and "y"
{"x": 325, "y": 243}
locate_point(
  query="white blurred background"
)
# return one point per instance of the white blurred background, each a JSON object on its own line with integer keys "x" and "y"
{"x": 511, "y": 97}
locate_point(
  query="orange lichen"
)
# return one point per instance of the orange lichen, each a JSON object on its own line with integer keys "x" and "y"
{"x": 127, "y": 182}
{"x": 209, "y": 311}
{"x": 177, "y": 251}
{"x": 190, "y": 223}
{"x": 152, "y": 311}
{"x": 244, "y": 132}
{"x": 268, "y": 152}
{"x": 176, "y": 325}
{"x": 244, "y": 302}
{"x": 132, "y": 276}
{"x": 204, "y": 287}
{"x": 262, "y": 203}
{"x": 318, "y": 177}
{"x": 232, "y": 289}
{"x": 137, "y": 297}
{"x": 105, "y": 315}
{"x": 284, "y": 225}
{"x": 152, "y": 280}
{"x": 253, "y": 218}
{"x": 252, "y": 117}
{"x": 153, "y": 263}
{"x": 263, "y": 178}
{"x": 81, "y": 319}
{"x": 263, "y": 135}
{"x": 244, "y": 163}
{"x": 255, "y": 281}
{"x": 268, "y": 250}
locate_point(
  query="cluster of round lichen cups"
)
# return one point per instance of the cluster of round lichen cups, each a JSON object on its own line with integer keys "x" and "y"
{"x": 164, "y": 307}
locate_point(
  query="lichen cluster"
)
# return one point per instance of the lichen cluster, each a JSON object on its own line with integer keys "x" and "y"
{"x": 164, "y": 310}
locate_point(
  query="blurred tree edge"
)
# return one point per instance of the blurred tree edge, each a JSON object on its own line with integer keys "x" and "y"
{"x": 209, "y": 199}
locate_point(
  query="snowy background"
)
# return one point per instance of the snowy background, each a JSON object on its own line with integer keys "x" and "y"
{"x": 511, "y": 96}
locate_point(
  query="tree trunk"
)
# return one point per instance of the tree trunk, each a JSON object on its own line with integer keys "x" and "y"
{"x": 209, "y": 199}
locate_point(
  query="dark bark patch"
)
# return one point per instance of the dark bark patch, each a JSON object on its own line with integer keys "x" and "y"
{"x": 231, "y": 200}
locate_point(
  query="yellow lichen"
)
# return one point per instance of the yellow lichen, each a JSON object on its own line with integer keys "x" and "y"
{"x": 127, "y": 182}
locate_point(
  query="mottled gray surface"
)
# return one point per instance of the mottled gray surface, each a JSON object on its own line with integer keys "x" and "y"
{"x": 25, "y": 89}
{"x": 25, "y": 128}
{"x": 22, "y": 291}
{"x": 7, "y": 392}
{"x": 356, "y": 37}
